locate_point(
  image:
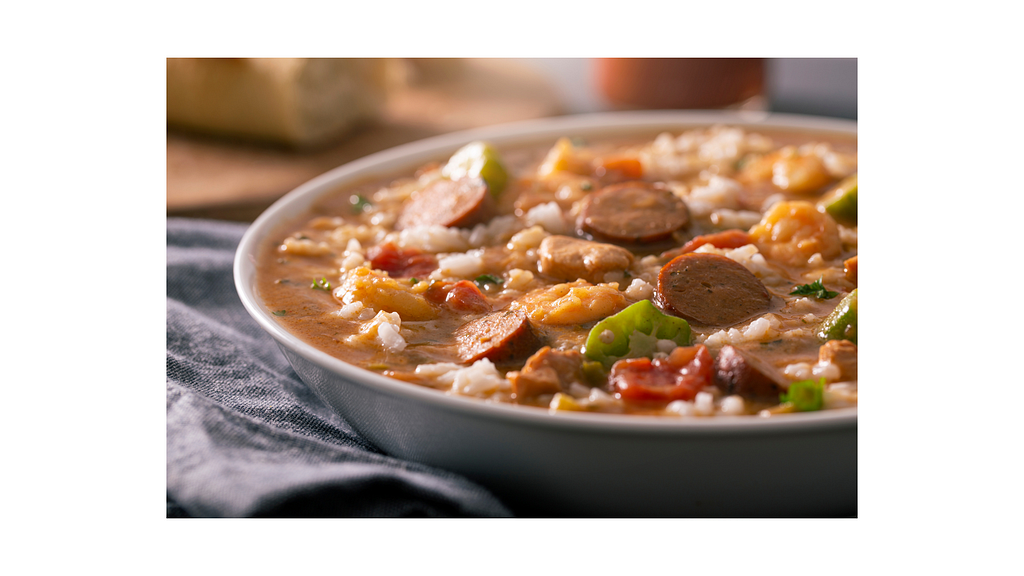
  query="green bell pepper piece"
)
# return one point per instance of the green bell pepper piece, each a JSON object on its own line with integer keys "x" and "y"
{"x": 636, "y": 332}
{"x": 478, "y": 160}
{"x": 841, "y": 203}
{"x": 841, "y": 324}
{"x": 806, "y": 395}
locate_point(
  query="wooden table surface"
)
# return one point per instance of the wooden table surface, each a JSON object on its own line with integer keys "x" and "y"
{"x": 215, "y": 178}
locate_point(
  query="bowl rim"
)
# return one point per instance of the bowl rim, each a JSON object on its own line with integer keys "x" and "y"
{"x": 415, "y": 153}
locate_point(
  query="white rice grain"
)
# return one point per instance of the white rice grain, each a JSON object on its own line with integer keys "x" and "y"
{"x": 433, "y": 238}
{"x": 639, "y": 290}
{"x": 527, "y": 239}
{"x": 732, "y": 405}
{"x": 480, "y": 379}
{"x": 499, "y": 228}
{"x": 704, "y": 404}
{"x": 666, "y": 346}
{"x": 518, "y": 279}
{"x": 728, "y": 218}
{"x": 350, "y": 311}
{"x": 549, "y": 216}
{"x": 680, "y": 407}
{"x": 389, "y": 338}
{"x": 462, "y": 265}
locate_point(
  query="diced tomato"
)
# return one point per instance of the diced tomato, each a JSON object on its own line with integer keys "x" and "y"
{"x": 726, "y": 239}
{"x": 401, "y": 262}
{"x": 437, "y": 291}
{"x": 625, "y": 167}
{"x": 679, "y": 377}
{"x": 464, "y": 296}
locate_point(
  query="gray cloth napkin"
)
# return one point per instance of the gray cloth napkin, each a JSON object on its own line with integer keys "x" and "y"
{"x": 246, "y": 437}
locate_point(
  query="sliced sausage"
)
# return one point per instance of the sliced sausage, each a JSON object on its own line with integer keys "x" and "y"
{"x": 710, "y": 290}
{"x": 546, "y": 372}
{"x": 742, "y": 373}
{"x": 633, "y": 212}
{"x": 571, "y": 259}
{"x": 458, "y": 203}
{"x": 842, "y": 354}
{"x": 500, "y": 337}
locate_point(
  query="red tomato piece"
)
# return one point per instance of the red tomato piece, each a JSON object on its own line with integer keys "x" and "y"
{"x": 401, "y": 262}
{"x": 623, "y": 168}
{"x": 679, "y": 377}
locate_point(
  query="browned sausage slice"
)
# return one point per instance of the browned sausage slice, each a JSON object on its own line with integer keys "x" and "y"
{"x": 453, "y": 203}
{"x": 500, "y": 337}
{"x": 710, "y": 290}
{"x": 738, "y": 372}
{"x": 633, "y": 212}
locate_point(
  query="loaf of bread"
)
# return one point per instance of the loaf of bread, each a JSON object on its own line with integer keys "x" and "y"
{"x": 299, "y": 102}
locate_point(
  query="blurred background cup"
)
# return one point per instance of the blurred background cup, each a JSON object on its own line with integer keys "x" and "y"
{"x": 679, "y": 83}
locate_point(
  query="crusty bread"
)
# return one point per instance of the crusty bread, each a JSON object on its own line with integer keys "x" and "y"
{"x": 298, "y": 102}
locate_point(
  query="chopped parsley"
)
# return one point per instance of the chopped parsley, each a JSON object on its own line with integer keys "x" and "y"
{"x": 586, "y": 186}
{"x": 484, "y": 279}
{"x": 321, "y": 284}
{"x": 359, "y": 204}
{"x": 414, "y": 281}
{"x": 280, "y": 312}
{"x": 816, "y": 289}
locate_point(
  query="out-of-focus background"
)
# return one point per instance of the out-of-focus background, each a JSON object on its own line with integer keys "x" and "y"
{"x": 242, "y": 132}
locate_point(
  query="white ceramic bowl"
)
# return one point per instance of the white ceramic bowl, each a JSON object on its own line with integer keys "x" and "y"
{"x": 576, "y": 464}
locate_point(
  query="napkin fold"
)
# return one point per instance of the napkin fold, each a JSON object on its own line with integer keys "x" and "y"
{"x": 246, "y": 437}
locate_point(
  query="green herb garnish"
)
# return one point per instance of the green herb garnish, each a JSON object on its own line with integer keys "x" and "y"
{"x": 816, "y": 289}
{"x": 484, "y": 279}
{"x": 806, "y": 395}
{"x": 321, "y": 284}
{"x": 359, "y": 204}
{"x": 586, "y": 186}
{"x": 414, "y": 281}
{"x": 280, "y": 312}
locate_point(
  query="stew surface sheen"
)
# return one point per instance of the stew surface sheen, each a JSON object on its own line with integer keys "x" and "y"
{"x": 711, "y": 272}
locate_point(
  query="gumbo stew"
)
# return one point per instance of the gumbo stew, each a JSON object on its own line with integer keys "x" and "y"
{"x": 704, "y": 273}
